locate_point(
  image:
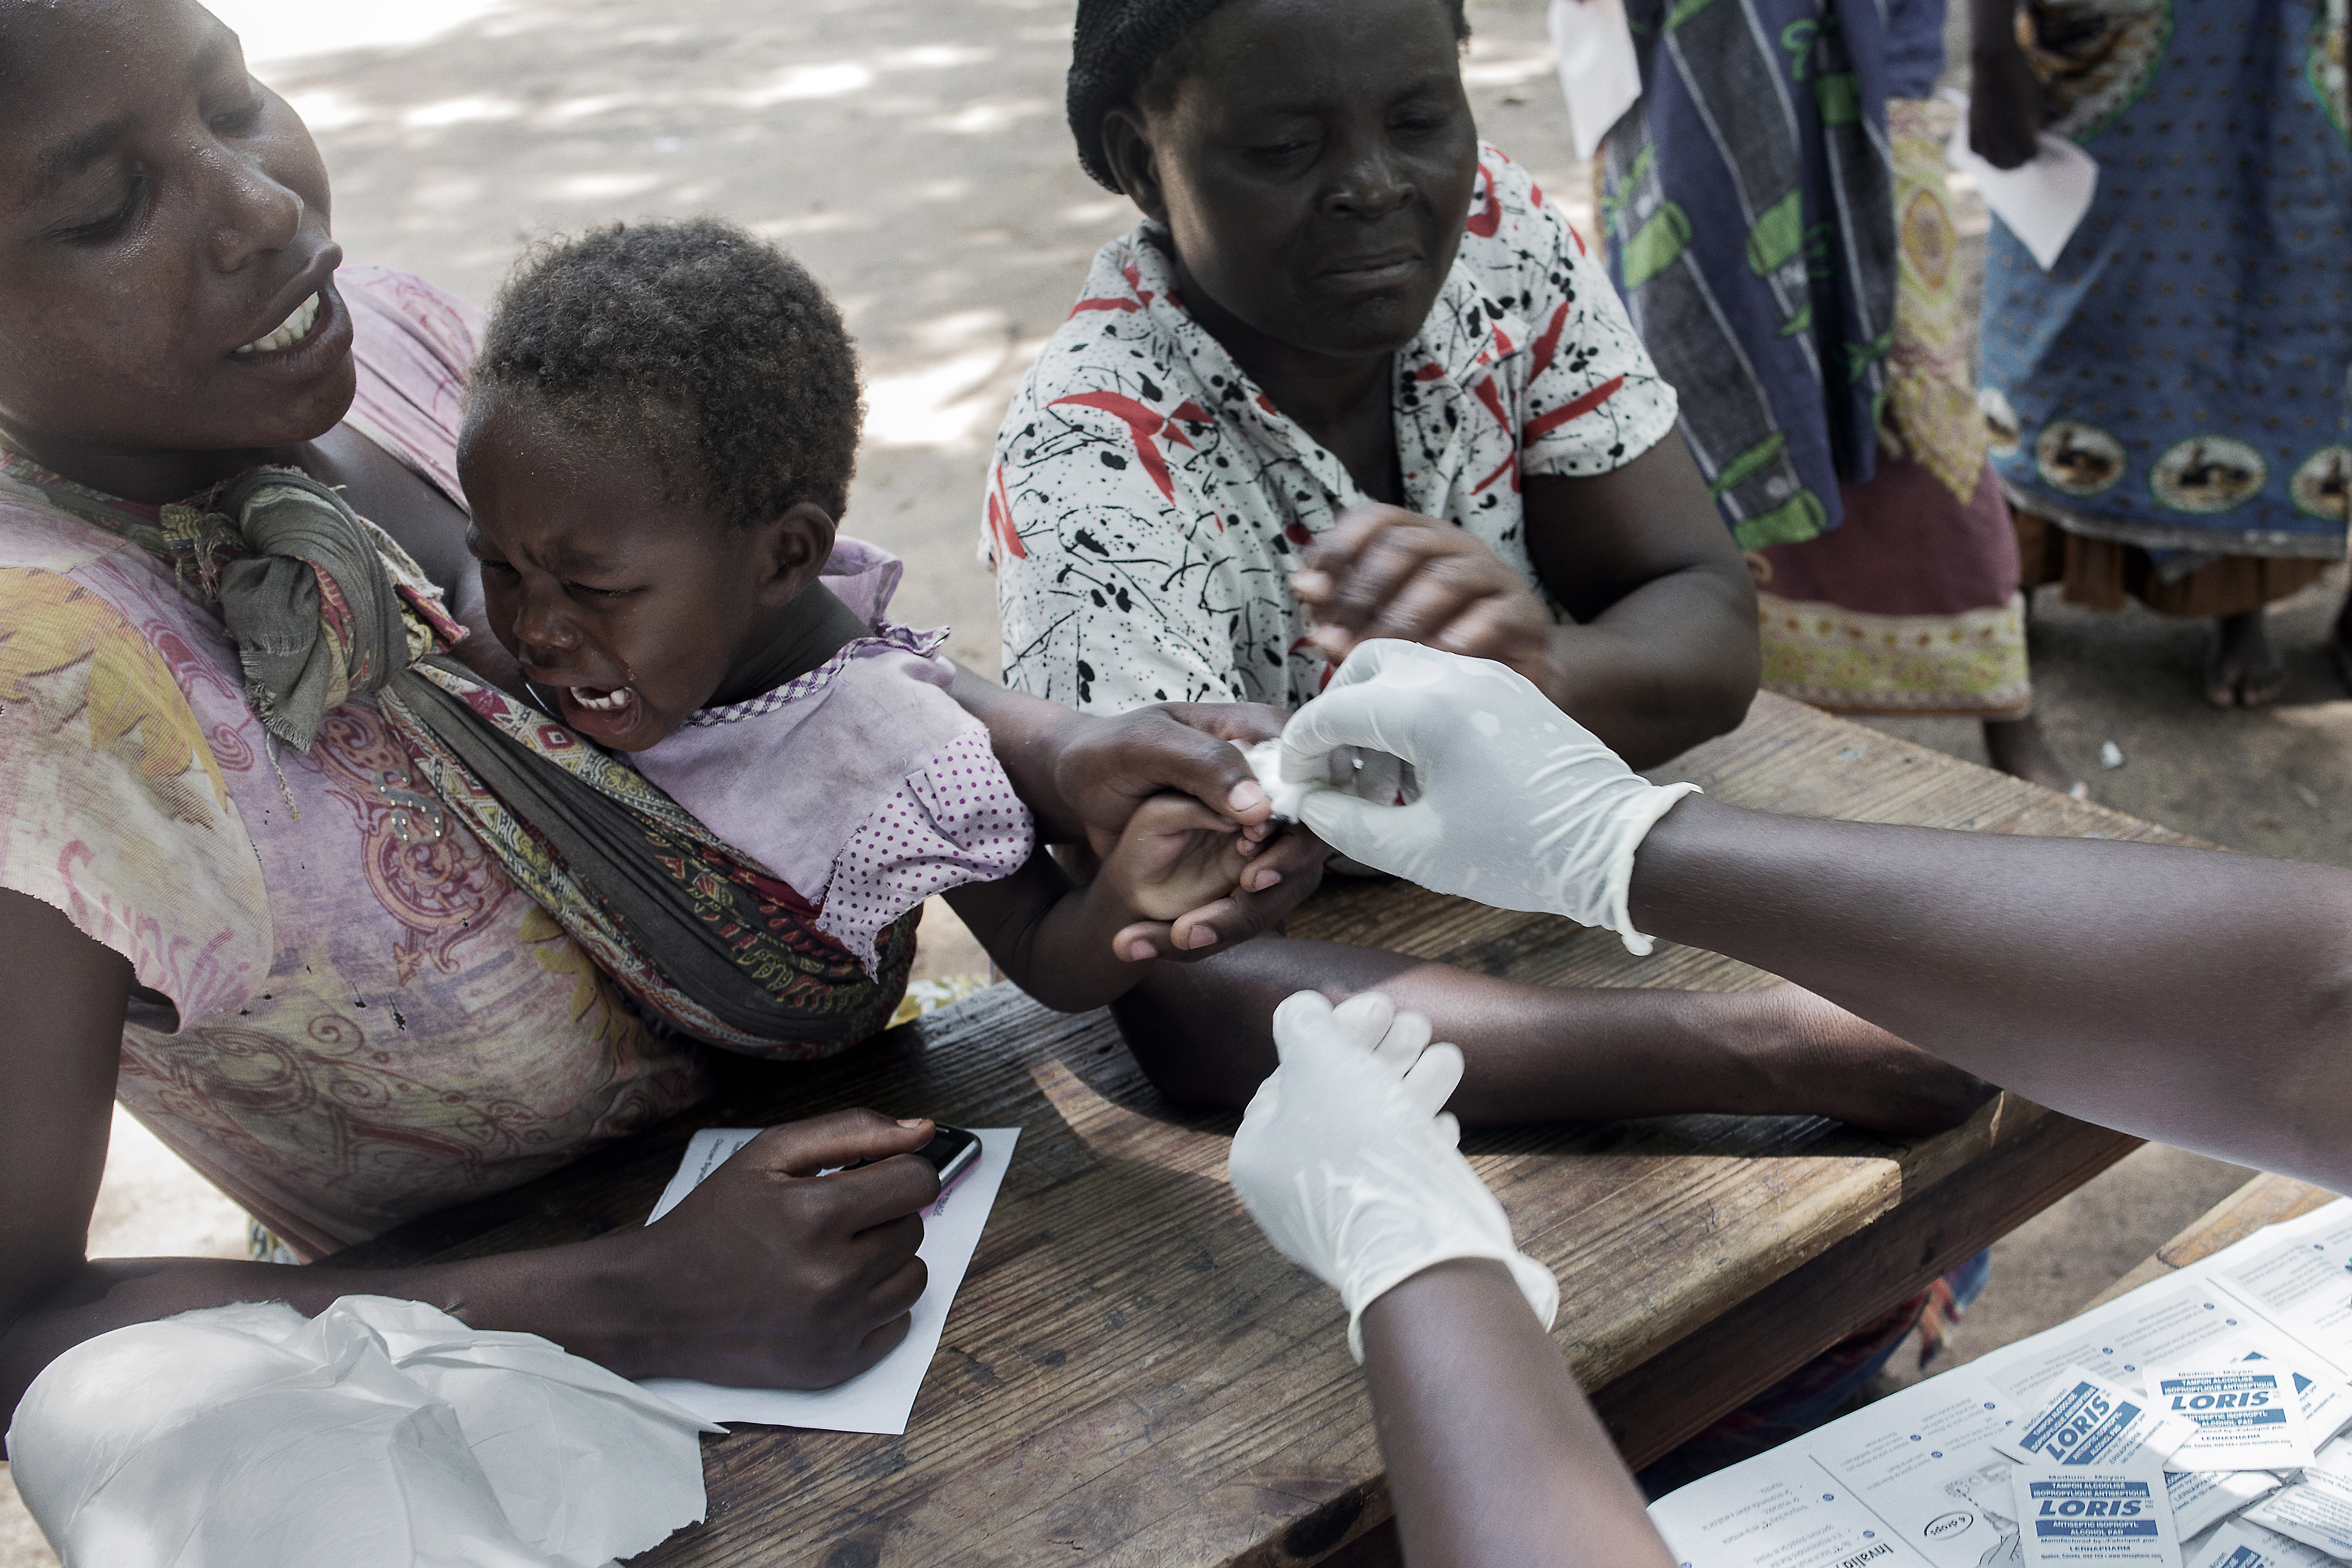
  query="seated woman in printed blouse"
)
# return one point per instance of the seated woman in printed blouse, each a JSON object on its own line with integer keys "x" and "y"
{"x": 1353, "y": 377}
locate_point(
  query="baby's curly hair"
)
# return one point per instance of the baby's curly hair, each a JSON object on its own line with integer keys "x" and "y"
{"x": 696, "y": 344}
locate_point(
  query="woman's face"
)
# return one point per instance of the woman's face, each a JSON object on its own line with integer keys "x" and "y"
{"x": 166, "y": 273}
{"x": 1315, "y": 167}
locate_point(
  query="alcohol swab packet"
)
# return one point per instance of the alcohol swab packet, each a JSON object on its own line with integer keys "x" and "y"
{"x": 2246, "y": 1415}
{"x": 2084, "y": 1419}
{"x": 2326, "y": 1398}
{"x": 2117, "y": 1516}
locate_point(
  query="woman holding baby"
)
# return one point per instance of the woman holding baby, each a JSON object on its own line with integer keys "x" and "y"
{"x": 358, "y": 912}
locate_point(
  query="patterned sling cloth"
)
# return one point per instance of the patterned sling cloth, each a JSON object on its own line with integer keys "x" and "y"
{"x": 1749, "y": 204}
{"x": 323, "y": 605}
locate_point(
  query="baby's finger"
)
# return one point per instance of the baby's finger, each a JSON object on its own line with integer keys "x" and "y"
{"x": 1297, "y": 855}
{"x": 1234, "y": 860}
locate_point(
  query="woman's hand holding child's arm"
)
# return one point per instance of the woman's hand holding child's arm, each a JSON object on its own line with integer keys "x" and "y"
{"x": 1083, "y": 776}
{"x": 1071, "y": 946}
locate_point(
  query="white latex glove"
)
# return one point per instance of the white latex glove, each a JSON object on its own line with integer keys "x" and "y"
{"x": 1521, "y": 808}
{"x": 1346, "y": 1160}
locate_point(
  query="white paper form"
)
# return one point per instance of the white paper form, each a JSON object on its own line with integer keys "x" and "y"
{"x": 2176, "y": 1321}
{"x": 2299, "y": 1276}
{"x": 1922, "y": 1465}
{"x": 880, "y": 1398}
{"x": 2043, "y": 201}
{"x": 1780, "y": 1508}
{"x": 2074, "y": 1515}
{"x": 2238, "y": 1544}
{"x": 1924, "y": 1462}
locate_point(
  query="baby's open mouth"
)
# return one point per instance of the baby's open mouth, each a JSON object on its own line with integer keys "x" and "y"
{"x": 599, "y": 700}
{"x": 289, "y": 332}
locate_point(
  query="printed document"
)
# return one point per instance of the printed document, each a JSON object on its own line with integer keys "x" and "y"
{"x": 880, "y": 1398}
{"x": 1941, "y": 1474}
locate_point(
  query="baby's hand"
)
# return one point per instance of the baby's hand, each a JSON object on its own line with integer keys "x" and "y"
{"x": 1174, "y": 856}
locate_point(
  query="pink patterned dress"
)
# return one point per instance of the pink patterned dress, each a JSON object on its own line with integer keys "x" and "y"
{"x": 347, "y": 1015}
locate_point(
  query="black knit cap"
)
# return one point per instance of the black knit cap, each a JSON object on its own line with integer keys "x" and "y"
{"x": 1114, "y": 47}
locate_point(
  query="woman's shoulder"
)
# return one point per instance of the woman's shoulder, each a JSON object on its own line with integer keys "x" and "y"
{"x": 38, "y": 537}
{"x": 1112, "y": 328}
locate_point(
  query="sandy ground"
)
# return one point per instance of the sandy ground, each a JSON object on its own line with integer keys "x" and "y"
{"x": 913, "y": 153}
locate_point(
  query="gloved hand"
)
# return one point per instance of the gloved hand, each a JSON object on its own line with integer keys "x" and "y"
{"x": 1521, "y": 808}
{"x": 1346, "y": 1160}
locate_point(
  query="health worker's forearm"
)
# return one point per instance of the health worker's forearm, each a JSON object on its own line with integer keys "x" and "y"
{"x": 1494, "y": 1456}
{"x": 2194, "y": 996}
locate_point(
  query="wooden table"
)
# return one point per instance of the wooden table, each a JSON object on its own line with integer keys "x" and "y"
{"x": 1131, "y": 1376}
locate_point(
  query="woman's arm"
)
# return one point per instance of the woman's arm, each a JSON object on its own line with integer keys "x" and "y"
{"x": 1664, "y": 652}
{"x": 1083, "y": 776}
{"x": 1494, "y": 1456}
{"x": 2201, "y": 998}
{"x": 767, "y": 1275}
{"x": 1538, "y": 1053}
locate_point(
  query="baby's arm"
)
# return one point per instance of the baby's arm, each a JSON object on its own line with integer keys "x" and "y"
{"x": 1054, "y": 940}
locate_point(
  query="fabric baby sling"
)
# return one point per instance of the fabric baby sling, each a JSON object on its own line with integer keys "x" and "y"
{"x": 324, "y": 606}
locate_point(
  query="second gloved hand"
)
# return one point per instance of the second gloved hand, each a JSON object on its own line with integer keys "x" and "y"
{"x": 1520, "y": 806}
{"x": 1348, "y": 1161}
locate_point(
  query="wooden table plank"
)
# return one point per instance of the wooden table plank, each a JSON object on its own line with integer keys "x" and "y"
{"x": 1132, "y": 1374}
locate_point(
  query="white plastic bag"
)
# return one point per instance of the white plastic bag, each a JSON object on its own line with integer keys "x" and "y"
{"x": 380, "y": 1434}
